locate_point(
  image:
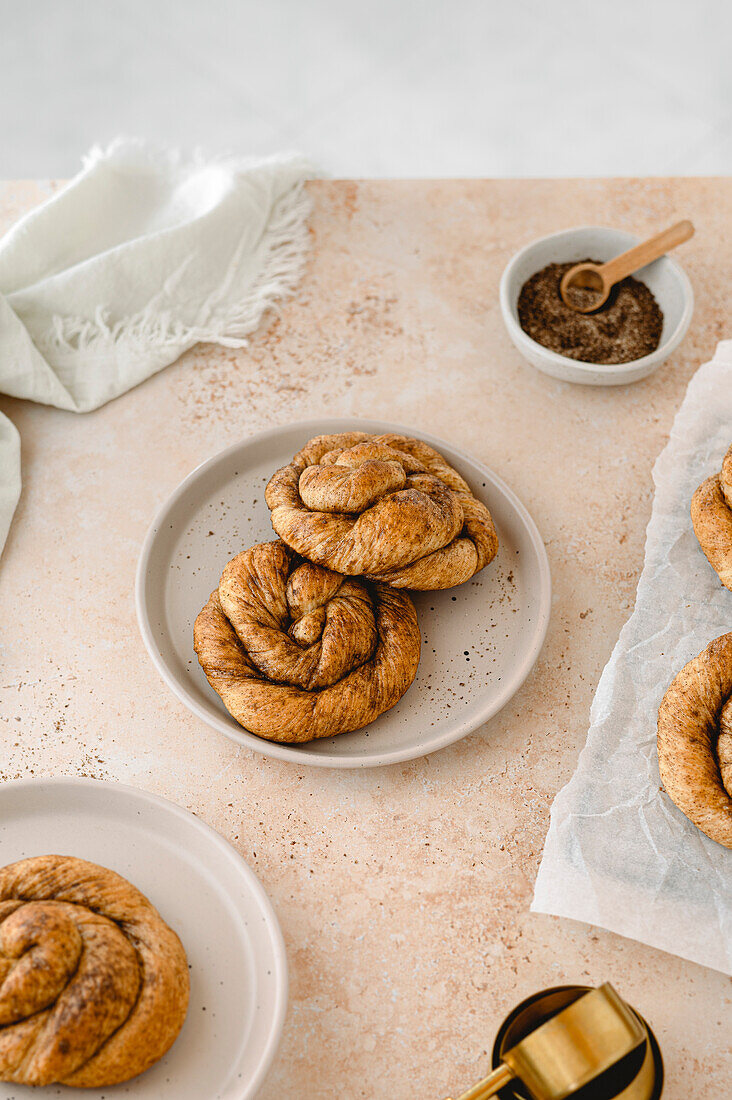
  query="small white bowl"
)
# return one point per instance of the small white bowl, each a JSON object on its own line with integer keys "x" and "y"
{"x": 670, "y": 286}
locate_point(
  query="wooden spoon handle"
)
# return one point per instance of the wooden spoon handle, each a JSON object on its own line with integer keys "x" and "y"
{"x": 490, "y": 1085}
{"x": 628, "y": 262}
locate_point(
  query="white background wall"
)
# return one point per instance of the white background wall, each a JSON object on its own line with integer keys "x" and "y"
{"x": 375, "y": 87}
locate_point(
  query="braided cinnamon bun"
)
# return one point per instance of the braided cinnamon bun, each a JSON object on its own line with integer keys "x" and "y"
{"x": 93, "y": 983}
{"x": 695, "y": 740}
{"x": 386, "y": 507}
{"x": 711, "y": 515}
{"x": 298, "y": 652}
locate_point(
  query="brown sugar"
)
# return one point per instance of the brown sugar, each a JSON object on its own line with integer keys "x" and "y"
{"x": 628, "y": 326}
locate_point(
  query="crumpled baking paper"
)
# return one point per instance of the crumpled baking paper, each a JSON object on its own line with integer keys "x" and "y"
{"x": 619, "y": 853}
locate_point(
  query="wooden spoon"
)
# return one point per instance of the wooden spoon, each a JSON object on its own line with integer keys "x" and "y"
{"x": 601, "y": 278}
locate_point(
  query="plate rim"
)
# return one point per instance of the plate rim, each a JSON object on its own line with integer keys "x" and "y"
{"x": 283, "y": 751}
{"x": 280, "y": 967}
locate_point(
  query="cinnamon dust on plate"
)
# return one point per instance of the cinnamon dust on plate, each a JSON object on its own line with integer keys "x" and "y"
{"x": 627, "y": 327}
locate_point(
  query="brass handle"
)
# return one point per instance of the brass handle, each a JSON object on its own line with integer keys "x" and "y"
{"x": 489, "y": 1086}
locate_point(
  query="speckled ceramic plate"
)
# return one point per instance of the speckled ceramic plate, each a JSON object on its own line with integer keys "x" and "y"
{"x": 206, "y": 892}
{"x": 480, "y": 640}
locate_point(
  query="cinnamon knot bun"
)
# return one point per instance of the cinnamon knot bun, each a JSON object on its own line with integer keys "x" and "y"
{"x": 711, "y": 514}
{"x": 385, "y": 507}
{"x": 695, "y": 740}
{"x": 298, "y": 652}
{"x": 93, "y": 983}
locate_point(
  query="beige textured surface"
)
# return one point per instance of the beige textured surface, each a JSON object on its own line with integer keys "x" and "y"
{"x": 403, "y": 893}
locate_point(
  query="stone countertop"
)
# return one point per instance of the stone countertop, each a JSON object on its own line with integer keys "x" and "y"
{"x": 403, "y": 892}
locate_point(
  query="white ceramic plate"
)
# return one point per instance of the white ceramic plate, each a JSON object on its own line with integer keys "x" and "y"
{"x": 480, "y": 640}
{"x": 204, "y": 891}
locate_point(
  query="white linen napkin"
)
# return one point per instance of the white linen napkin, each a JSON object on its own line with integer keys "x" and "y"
{"x": 138, "y": 258}
{"x": 619, "y": 853}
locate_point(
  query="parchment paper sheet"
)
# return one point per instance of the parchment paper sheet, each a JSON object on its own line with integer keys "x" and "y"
{"x": 619, "y": 854}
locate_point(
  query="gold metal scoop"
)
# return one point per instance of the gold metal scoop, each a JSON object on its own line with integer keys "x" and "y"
{"x": 569, "y": 1050}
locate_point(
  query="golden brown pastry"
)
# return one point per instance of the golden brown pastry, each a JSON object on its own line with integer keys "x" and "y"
{"x": 382, "y": 506}
{"x": 695, "y": 740}
{"x": 711, "y": 514}
{"x": 93, "y": 983}
{"x": 297, "y": 652}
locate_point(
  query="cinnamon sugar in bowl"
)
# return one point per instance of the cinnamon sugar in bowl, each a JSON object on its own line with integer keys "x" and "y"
{"x": 664, "y": 278}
